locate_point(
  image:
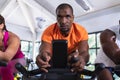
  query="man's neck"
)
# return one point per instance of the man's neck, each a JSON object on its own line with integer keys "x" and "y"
{"x": 65, "y": 34}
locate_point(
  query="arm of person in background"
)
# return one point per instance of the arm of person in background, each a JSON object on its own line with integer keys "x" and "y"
{"x": 82, "y": 55}
{"x": 43, "y": 58}
{"x": 13, "y": 45}
{"x": 109, "y": 46}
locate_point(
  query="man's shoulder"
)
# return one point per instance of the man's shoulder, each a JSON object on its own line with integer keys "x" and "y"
{"x": 78, "y": 26}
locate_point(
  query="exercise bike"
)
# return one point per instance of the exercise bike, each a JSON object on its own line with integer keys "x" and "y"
{"x": 59, "y": 70}
{"x": 59, "y": 73}
{"x": 115, "y": 71}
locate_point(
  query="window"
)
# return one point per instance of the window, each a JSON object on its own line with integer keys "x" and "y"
{"x": 27, "y": 48}
{"x": 94, "y": 46}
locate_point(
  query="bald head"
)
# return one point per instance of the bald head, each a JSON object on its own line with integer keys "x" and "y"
{"x": 63, "y": 6}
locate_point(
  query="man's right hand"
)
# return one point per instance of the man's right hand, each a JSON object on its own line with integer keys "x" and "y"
{"x": 42, "y": 60}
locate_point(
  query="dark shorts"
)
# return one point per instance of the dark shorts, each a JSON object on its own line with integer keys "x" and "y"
{"x": 113, "y": 71}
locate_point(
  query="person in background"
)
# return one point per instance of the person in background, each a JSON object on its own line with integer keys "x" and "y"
{"x": 9, "y": 51}
{"x": 109, "y": 53}
{"x": 64, "y": 29}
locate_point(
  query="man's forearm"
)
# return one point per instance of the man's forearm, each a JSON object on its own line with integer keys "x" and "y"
{"x": 85, "y": 56}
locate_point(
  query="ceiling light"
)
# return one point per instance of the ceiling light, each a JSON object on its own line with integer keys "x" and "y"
{"x": 84, "y": 4}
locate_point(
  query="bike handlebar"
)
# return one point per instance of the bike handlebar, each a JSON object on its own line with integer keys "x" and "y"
{"x": 22, "y": 69}
{"x": 53, "y": 72}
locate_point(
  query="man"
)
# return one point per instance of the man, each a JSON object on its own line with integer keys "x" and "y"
{"x": 110, "y": 51}
{"x": 64, "y": 28}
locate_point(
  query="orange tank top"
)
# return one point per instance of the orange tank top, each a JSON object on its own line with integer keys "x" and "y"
{"x": 77, "y": 34}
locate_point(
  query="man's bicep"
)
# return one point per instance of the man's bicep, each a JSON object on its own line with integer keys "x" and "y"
{"x": 83, "y": 50}
{"x": 107, "y": 36}
{"x": 108, "y": 44}
{"x": 107, "y": 39}
{"x": 83, "y": 46}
